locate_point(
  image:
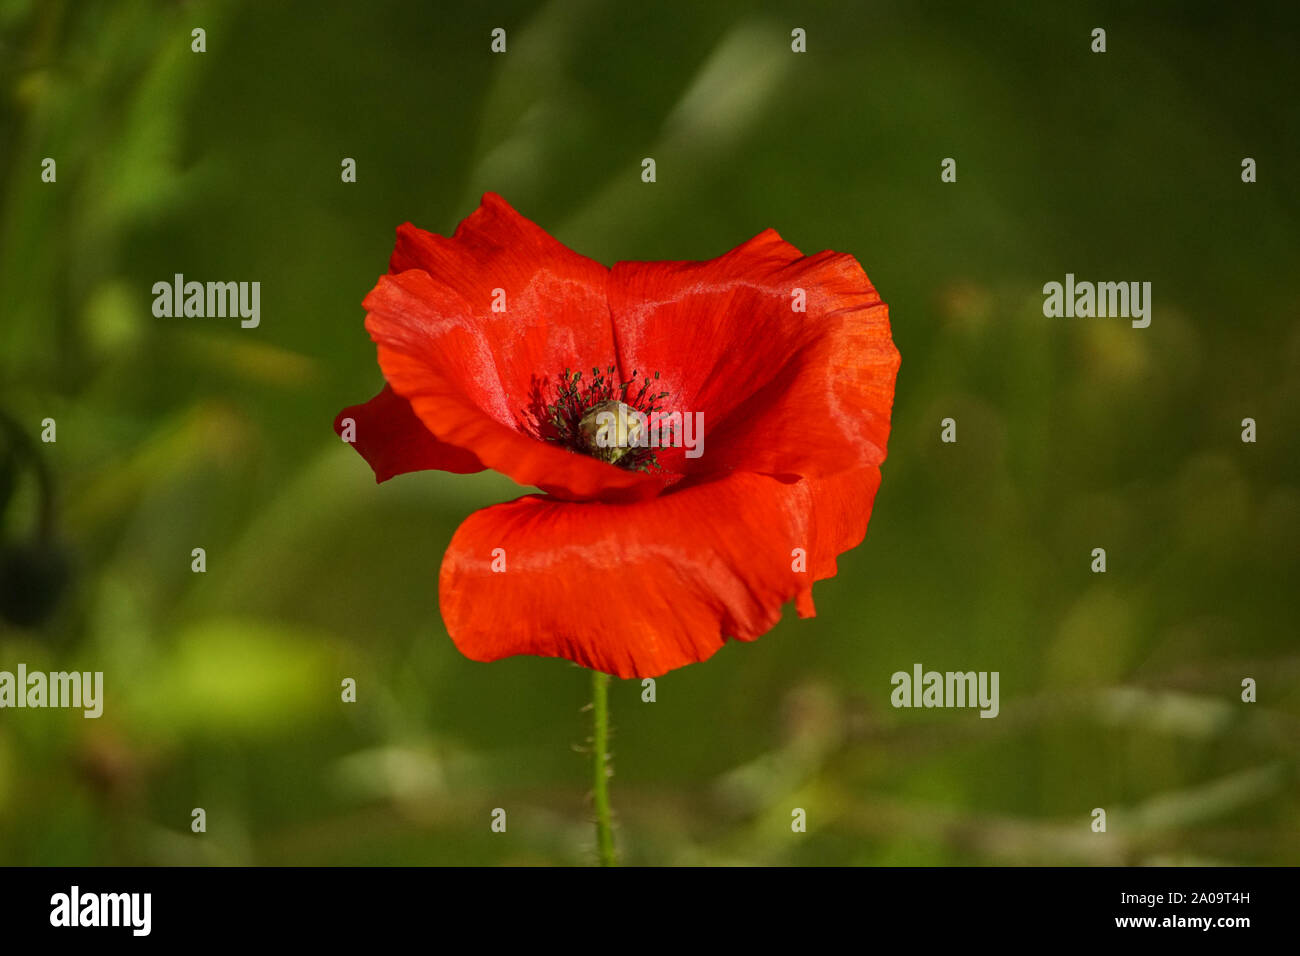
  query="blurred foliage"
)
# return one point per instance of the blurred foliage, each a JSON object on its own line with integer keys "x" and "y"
{"x": 1118, "y": 691}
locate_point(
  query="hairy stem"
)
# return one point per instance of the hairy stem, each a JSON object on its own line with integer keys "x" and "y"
{"x": 600, "y": 768}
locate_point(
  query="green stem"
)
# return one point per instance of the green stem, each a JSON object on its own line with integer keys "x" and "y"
{"x": 600, "y": 768}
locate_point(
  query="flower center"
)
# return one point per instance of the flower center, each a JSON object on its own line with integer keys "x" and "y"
{"x": 605, "y": 420}
{"x": 610, "y": 430}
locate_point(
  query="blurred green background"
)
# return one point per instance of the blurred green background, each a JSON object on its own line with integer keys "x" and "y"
{"x": 1119, "y": 691}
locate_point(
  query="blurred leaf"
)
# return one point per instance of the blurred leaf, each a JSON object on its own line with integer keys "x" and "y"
{"x": 237, "y": 678}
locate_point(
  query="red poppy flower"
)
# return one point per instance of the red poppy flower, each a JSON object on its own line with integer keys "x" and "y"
{"x": 500, "y": 344}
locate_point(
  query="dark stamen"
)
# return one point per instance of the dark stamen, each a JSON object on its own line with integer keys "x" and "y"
{"x": 573, "y": 415}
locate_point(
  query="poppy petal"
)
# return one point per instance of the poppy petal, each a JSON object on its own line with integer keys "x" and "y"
{"x": 453, "y": 369}
{"x": 393, "y": 441}
{"x": 639, "y": 589}
{"x": 782, "y": 391}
